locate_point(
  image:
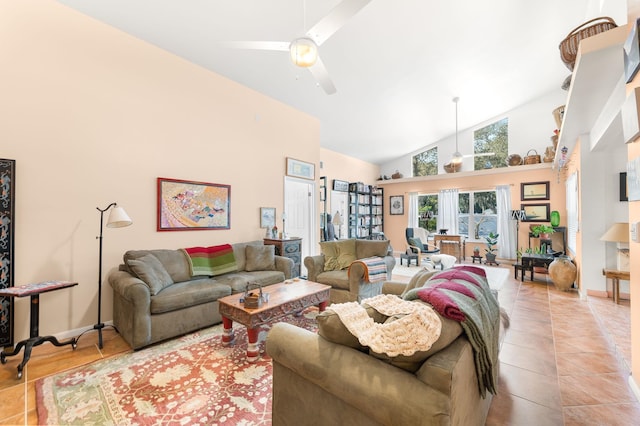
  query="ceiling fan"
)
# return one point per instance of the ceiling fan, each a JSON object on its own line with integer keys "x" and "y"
{"x": 304, "y": 50}
{"x": 457, "y": 156}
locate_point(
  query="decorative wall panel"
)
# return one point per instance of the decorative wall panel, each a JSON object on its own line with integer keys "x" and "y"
{"x": 7, "y": 214}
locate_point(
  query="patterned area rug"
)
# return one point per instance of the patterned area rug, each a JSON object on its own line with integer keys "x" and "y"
{"x": 189, "y": 380}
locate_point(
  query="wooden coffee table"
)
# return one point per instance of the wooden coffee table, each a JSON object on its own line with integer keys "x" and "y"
{"x": 283, "y": 299}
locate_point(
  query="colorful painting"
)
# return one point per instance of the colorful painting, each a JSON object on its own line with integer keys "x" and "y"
{"x": 7, "y": 214}
{"x": 187, "y": 205}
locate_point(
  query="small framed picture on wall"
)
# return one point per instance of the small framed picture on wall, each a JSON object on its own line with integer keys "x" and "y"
{"x": 396, "y": 204}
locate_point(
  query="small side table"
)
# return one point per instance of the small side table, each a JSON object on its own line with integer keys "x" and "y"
{"x": 616, "y": 276}
{"x": 409, "y": 258}
{"x": 34, "y": 339}
{"x": 478, "y": 258}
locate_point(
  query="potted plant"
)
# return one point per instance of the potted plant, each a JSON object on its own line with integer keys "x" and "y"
{"x": 490, "y": 251}
{"x": 476, "y": 251}
{"x": 542, "y": 231}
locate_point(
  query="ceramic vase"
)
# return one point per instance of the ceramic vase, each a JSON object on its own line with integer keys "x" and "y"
{"x": 563, "y": 272}
{"x": 555, "y": 218}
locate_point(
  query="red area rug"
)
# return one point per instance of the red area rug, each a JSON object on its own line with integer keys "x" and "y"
{"x": 189, "y": 380}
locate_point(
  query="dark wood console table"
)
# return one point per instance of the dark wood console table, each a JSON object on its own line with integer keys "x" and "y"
{"x": 529, "y": 260}
{"x": 291, "y": 248}
{"x": 34, "y": 339}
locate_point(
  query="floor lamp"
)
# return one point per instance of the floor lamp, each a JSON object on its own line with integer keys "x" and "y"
{"x": 337, "y": 222}
{"x": 118, "y": 218}
{"x": 518, "y": 216}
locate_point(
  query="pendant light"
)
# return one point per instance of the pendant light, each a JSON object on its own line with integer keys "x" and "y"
{"x": 457, "y": 157}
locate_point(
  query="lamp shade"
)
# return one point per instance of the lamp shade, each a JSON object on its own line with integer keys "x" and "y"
{"x": 118, "y": 218}
{"x": 337, "y": 219}
{"x": 617, "y": 233}
{"x": 304, "y": 52}
{"x": 518, "y": 215}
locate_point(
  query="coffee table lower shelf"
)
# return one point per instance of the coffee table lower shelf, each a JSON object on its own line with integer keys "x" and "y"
{"x": 283, "y": 299}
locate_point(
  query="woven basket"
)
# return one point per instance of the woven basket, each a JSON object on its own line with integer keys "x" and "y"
{"x": 514, "y": 160}
{"x": 569, "y": 46}
{"x": 532, "y": 158}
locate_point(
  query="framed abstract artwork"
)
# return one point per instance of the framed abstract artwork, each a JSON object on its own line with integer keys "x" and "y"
{"x": 536, "y": 212}
{"x": 187, "y": 205}
{"x": 534, "y": 191}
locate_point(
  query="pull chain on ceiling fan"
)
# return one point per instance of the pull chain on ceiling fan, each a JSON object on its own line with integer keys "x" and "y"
{"x": 457, "y": 156}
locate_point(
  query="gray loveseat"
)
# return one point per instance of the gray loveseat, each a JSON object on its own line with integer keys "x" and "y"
{"x": 330, "y": 378}
{"x": 155, "y": 297}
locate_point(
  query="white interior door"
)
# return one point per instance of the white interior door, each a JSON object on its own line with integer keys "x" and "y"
{"x": 300, "y": 208}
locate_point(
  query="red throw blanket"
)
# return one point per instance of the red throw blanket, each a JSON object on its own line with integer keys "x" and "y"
{"x": 214, "y": 260}
{"x": 375, "y": 269}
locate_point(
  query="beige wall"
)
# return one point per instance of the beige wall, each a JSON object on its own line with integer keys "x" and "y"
{"x": 394, "y": 226}
{"x": 91, "y": 116}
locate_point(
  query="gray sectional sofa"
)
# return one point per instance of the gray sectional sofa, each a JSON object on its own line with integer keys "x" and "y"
{"x": 155, "y": 297}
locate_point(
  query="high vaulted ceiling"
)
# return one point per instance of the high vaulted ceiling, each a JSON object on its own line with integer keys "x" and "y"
{"x": 396, "y": 64}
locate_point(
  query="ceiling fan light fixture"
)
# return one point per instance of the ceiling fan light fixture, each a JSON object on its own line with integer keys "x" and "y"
{"x": 457, "y": 158}
{"x": 304, "y": 52}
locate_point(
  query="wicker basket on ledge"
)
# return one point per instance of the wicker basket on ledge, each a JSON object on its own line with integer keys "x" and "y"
{"x": 569, "y": 46}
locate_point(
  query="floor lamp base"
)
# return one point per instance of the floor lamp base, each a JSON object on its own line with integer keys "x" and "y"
{"x": 98, "y": 327}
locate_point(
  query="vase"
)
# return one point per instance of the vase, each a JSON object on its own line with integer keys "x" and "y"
{"x": 562, "y": 272}
{"x": 555, "y": 218}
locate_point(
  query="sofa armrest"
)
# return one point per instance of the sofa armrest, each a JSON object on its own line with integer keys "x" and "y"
{"x": 285, "y": 265}
{"x": 314, "y": 265}
{"x": 361, "y": 381}
{"x": 130, "y": 288}
{"x": 394, "y": 287}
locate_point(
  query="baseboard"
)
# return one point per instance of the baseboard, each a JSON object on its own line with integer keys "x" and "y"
{"x": 76, "y": 332}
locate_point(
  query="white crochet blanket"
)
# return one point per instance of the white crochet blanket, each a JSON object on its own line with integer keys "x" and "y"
{"x": 416, "y": 331}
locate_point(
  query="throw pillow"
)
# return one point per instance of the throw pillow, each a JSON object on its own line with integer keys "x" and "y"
{"x": 338, "y": 255}
{"x": 416, "y": 242}
{"x": 149, "y": 269}
{"x": 331, "y": 328}
{"x": 449, "y": 332}
{"x": 260, "y": 258}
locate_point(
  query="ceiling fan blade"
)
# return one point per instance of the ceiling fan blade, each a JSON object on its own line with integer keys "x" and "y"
{"x": 256, "y": 45}
{"x": 338, "y": 16}
{"x": 321, "y": 75}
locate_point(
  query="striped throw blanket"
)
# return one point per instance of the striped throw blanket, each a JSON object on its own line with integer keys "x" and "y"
{"x": 375, "y": 268}
{"x": 214, "y": 260}
{"x": 463, "y": 294}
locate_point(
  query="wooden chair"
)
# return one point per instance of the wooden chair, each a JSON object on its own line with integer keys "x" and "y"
{"x": 453, "y": 245}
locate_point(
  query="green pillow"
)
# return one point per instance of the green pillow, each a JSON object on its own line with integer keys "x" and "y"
{"x": 260, "y": 258}
{"x": 416, "y": 242}
{"x": 338, "y": 255}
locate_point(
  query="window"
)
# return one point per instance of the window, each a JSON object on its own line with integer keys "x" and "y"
{"x": 478, "y": 222}
{"x": 426, "y": 163}
{"x": 427, "y": 211}
{"x": 493, "y": 138}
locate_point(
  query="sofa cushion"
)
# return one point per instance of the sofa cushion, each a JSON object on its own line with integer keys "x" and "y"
{"x": 239, "y": 250}
{"x": 174, "y": 262}
{"x": 418, "y": 280}
{"x": 336, "y": 279}
{"x": 416, "y": 242}
{"x": 450, "y": 331}
{"x": 331, "y": 328}
{"x": 238, "y": 280}
{"x": 260, "y": 258}
{"x": 149, "y": 269}
{"x": 371, "y": 248}
{"x": 188, "y": 293}
{"x": 338, "y": 254}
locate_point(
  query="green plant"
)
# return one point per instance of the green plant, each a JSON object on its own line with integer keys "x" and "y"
{"x": 492, "y": 240}
{"x": 541, "y": 229}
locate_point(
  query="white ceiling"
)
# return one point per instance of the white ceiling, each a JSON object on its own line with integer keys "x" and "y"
{"x": 396, "y": 64}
